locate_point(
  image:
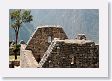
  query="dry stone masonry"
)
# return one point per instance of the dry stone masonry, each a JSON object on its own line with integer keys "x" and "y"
{"x": 42, "y": 38}
{"x": 73, "y": 54}
{"x": 50, "y": 47}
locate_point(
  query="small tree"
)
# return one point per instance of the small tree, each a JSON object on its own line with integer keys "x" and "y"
{"x": 18, "y": 17}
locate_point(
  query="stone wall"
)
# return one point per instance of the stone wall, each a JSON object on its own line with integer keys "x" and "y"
{"x": 27, "y": 60}
{"x": 12, "y": 64}
{"x": 73, "y": 55}
{"x": 40, "y": 41}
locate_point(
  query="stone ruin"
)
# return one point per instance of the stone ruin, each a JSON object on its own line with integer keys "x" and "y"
{"x": 42, "y": 38}
{"x": 49, "y": 47}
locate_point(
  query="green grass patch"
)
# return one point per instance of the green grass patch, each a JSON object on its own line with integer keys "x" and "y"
{"x": 12, "y": 58}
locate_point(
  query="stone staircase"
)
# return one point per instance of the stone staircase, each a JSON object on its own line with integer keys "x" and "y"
{"x": 46, "y": 54}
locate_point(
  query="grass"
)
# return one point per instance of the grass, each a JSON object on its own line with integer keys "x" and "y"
{"x": 12, "y": 58}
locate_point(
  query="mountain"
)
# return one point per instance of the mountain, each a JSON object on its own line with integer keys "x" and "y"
{"x": 73, "y": 21}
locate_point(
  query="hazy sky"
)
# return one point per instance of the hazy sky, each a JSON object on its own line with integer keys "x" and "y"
{"x": 73, "y": 21}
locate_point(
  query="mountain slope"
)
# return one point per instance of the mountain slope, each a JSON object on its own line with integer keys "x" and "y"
{"x": 73, "y": 22}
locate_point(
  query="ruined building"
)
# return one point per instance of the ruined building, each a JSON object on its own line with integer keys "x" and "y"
{"x": 42, "y": 38}
{"x": 49, "y": 47}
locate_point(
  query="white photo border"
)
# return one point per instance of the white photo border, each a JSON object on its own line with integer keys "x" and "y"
{"x": 102, "y": 71}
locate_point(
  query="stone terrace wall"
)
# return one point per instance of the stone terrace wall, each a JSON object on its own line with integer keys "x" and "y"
{"x": 27, "y": 60}
{"x": 66, "y": 55}
{"x": 39, "y": 41}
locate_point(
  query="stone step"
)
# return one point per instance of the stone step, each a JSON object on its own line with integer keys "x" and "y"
{"x": 47, "y": 53}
